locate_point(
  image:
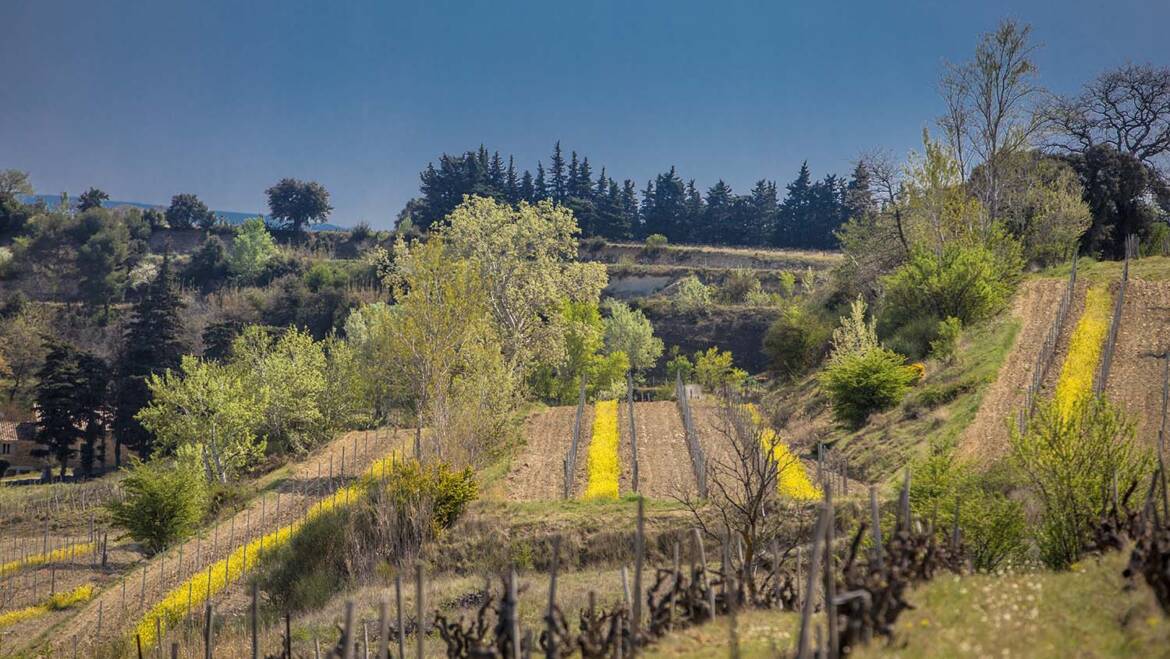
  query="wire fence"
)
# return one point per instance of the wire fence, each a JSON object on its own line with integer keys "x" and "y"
{"x": 698, "y": 456}
{"x": 1102, "y": 379}
{"x": 1047, "y": 352}
{"x": 570, "y": 462}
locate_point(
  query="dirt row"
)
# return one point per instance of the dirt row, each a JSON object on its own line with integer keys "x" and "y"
{"x": 1035, "y": 307}
{"x": 538, "y": 471}
{"x": 664, "y": 465}
{"x": 1136, "y": 376}
{"x": 308, "y": 482}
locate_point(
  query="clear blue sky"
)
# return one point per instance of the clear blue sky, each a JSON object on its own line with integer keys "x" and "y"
{"x": 222, "y": 98}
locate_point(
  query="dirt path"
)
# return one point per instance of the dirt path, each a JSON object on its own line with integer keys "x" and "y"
{"x": 664, "y": 465}
{"x": 1035, "y": 306}
{"x": 538, "y": 471}
{"x": 1135, "y": 379}
{"x": 286, "y": 502}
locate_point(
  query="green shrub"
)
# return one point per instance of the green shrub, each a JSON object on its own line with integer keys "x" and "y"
{"x": 1072, "y": 456}
{"x": 716, "y": 370}
{"x": 796, "y": 341}
{"x": 863, "y": 382}
{"x": 740, "y": 286}
{"x": 692, "y": 295}
{"x": 786, "y": 282}
{"x": 163, "y": 503}
{"x": 655, "y": 243}
{"x": 913, "y": 337}
{"x": 677, "y": 365}
{"x": 991, "y": 524}
{"x": 449, "y": 490}
{"x": 946, "y": 342}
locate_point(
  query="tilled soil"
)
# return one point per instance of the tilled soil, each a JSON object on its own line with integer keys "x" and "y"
{"x": 538, "y": 471}
{"x": 664, "y": 465}
{"x": 1136, "y": 376}
{"x": 1035, "y": 306}
{"x": 308, "y": 483}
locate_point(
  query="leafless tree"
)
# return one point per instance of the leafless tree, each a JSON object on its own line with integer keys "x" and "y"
{"x": 991, "y": 107}
{"x": 1127, "y": 108}
{"x": 743, "y": 477}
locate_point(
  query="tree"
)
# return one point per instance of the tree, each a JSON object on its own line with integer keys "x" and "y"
{"x": 252, "y": 250}
{"x": 991, "y": 108}
{"x": 1117, "y": 190}
{"x": 208, "y": 267}
{"x": 1043, "y": 206}
{"x": 91, "y": 198}
{"x": 209, "y": 410}
{"x": 101, "y": 264}
{"x": 164, "y": 503}
{"x": 298, "y": 203}
{"x": 13, "y": 183}
{"x": 58, "y": 406}
{"x": 1127, "y": 109}
{"x": 526, "y": 258}
{"x": 92, "y": 410}
{"x": 716, "y": 371}
{"x": 23, "y": 346}
{"x": 862, "y": 377}
{"x": 559, "y": 182}
{"x": 186, "y": 211}
{"x": 629, "y": 331}
{"x": 152, "y": 345}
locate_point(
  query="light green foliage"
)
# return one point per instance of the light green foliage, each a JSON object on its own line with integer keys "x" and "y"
{"x": 525, "y": 258}
{"x": 212, "y": 408}
{"x": 288, "y": 375}
{"x": 629, "y": 331}
{"x": 678, "y": 365}
{"x": 1071, "y": 459}
{"x": 862, "y": 377}
{"x": 692, "y": 295}
{"x": 742, "y": 286}
{"x": 163, "y": 503}
{"x": 345, "y": 400}
{"x": 787, "y": 282}
{"x": 946, "y": 343}
{"x": 991, "y": 523}
{"x": 939, "y": 210}
{"x": 715, "y": 369}
{"x": 655, "y": 243}
{"x": 1042, "y": 204}
{"x": 449, "y": 490}
{"x": 252, "y": 250}
{"x": 797, "y": 340}
{"x": 584, "y": 340}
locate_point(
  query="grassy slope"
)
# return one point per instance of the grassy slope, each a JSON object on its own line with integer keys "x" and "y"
{"x": 1086, "y": 612}
{"x": 891, "y": 438}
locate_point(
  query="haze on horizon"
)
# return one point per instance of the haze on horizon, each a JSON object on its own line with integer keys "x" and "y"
{"x": 223, "y": 99}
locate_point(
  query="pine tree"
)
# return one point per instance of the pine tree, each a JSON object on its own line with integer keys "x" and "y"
{"x": 859, "y": 193}
{"x": 527, "y": 188}
{"x": 645, "y": 211}
{"x": 764, "y": 208}
{"x": 717, "y": 215}
{"x": 584, "y": 181}
{"x": 496, "y": 176}
{"x": 540, "y": 187}
{"x": 93, "y": 408}
{"x": 791, "y": 230}
{"x": 57, "y": 392}
{"x": 692, "y": 218}
{"x": 152, "y": 345}
{"x": 573, "y": 185}
{"x": 630, "y": 215}
{"x": 558, "y": 174}
{"x": 511, "y": 187}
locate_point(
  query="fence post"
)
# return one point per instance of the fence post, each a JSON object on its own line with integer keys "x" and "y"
{"x": 383, "y": 631}
{"x": 550, "y": 615}
{"x": 831, "y": 581}
{"x": 398, "y": 614}
{"x": 347, "y": 633}
{"x": 806, "y": 610}
{"x": 633, "y": 427}
{"x": 419, "y": 606}
{"x": 639, "y": 556}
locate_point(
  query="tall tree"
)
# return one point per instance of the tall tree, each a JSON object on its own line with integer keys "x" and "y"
{"x": 298, "y": 203}
{"x": 58, "y": 389}
{"x": 93, "y": 410}
{"x": 91, "y": 198}
{"x": 1117, "y": 189}
{"x": 527, "y": 188}
{"x": 540, "y": 186}
{"x": 152, "y": 345}
{"x": 791, "y": 230}
{"x": 557, "y": 171}
{"x": 186, "y": 211}
{"x": 101, "y": 264}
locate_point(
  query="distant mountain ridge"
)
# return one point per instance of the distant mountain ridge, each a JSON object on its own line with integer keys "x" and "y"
{"x": 233, "y": 218}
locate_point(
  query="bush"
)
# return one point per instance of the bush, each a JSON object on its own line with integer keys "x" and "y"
{"x": 361, "y": 231}
{"x": 740, "y": 286}
{"x": 796, "y": 341}
{"x": 163, "y": 503}
{"x": 716, "y": 370}
{"x": 655, "y": 243}
{"x": 449, "y": 490}
{"x": 946, "y": 342}
{"x": 1072, "y": 458}
{"x": 692, "y": 295}
{"x": 864, "y": 382}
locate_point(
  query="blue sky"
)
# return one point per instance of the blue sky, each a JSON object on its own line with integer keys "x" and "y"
{"x": 147, "y": 99}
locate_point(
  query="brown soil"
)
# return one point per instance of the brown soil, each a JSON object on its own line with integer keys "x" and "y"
{"x": 664, "y": 465}
{"x": 307, "y": 483}
{"x": 538, "y": 471}
{"x": 1135, "y": 378}
{"x": 1035, "y": 306}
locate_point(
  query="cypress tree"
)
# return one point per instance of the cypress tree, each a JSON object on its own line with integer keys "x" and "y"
{"x": 511, "y": 187}
{"x": 558, "y": 174}
{"x": 152, "y": 345}
{"x": 93, "y": 406}
{"x": 57, "y": 393}
{"x": 541, "y": 186}
{"x": 791, "y": 230}
{"x": 717, "y": 216}
{"x": 527, "y": 188}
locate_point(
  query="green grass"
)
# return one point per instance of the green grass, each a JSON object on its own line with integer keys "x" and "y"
{"x": 1150, "y": 268}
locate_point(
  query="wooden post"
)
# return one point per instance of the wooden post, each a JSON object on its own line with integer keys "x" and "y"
{"x": 398, "y": 615}
{"x": 288, "y": 635}
{"x": 831, "y": 581}
{"x": 550, "y": 617}
{"x": 175, "y": 650}
{"x": 514, "y": 623}
{"x": 633, "y": 427}
{"x": 419, "y": 606}
{"x": 207, "y": 615}
{"x": 383, "y": 629}
{"x": 347, "y": 633}
{"x": 876, "y": 520}
{"x": 703, "y": 564}
{"x": 904, "y": 503}
{"x": 806, "y": 610}
{"x": 255, "y": 621}
{"x": 639, "y": 555}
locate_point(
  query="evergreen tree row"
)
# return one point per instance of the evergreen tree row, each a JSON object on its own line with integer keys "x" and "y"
{"x": 806, "y": 218}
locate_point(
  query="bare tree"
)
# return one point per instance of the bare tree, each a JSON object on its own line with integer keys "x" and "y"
{"x": 991, "y": 109}
{"x": 743, "y": 477}
{"x": 1127, "y": 108}
{"x": 887, "y": 177}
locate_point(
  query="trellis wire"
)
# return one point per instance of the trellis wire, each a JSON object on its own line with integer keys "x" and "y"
{"x": 1099, "y": 382}
{"x": 698, "y": 457}
{"x": 570, "y": 461}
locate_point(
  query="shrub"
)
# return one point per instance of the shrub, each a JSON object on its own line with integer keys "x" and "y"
{"x": 992, "y": 525}
{"x": 692, "y": 295}
{"x": 946, "y": 342}
{"x": 740, "y": 286}
{"x": 678, "y": 365}
{"x": 715, "y": 369}
{"x": 655, "y": 243}
{"x": 1072, "y": 457}
{"x": 361, "y": 231}
{"x": 864, "y": 382}
{"x": 449, "y": 490}
{"x": 163, "y": 503}
{"x": 786, "y": 282}
{"x": 796, "y": 341}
